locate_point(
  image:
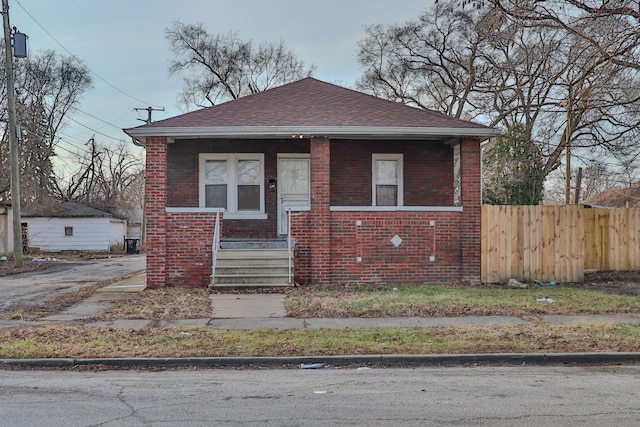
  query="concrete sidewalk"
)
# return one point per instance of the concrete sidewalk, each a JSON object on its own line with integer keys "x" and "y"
{"x": 101, "y": 300}
{"x": 267, "y": 311}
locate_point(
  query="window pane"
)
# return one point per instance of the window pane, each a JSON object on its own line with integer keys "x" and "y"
{"x": 216, "y": 196}
{"x": 386, "y": 195}
{"x": 215, "y": 172}
{"x": 248, "y": 172}
{"x": 248, "y": 197}
{"x": 386, "y": 172}
{"x": 295, "y": 176}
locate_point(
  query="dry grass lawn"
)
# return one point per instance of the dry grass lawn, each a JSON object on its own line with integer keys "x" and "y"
{"x": 80, "y": 342}
{"x": 454, "y": 301}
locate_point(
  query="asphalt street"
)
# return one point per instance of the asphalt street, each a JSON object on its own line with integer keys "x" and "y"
{"x": 461, "y": 396}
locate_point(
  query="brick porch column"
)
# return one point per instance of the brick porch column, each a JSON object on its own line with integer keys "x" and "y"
{"x": 471, "y": 216}
{"x": 156, "y": 214}
{"x": 320, "y": 215}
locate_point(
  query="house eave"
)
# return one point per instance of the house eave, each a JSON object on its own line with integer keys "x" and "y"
{"x": 300, "y": 132}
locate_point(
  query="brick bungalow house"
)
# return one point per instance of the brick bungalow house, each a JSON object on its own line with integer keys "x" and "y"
{"x": 351, "y": 188}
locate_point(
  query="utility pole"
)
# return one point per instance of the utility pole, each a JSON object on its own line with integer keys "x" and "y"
{"x": 149, "y": 111}
{"x": 576, "y": 198}
{"x": 13, "y": 140}
{"x": 568, "y": 131}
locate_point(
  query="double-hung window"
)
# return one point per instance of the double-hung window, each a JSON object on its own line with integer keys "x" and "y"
{"x": 233, "y": 182}
{"x": 387, "y": 180}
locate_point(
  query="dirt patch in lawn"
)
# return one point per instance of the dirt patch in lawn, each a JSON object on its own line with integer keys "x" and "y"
{"x": 161, "y": 304}
{"x": 615, "y": 282}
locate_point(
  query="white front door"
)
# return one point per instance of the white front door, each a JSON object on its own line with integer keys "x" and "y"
{"x": 294, "y": 185}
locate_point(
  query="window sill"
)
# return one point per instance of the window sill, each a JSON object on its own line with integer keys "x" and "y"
{"x": 396, "y": 208}
{"x": 245, "y": 215}
{"x": 227, "y": 215}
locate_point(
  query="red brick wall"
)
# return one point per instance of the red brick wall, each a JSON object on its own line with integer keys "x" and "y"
{"x": 427, "y": 166}
{"x": 189, "y": 248}
{"x": 156, "y": 202}
{"x": 319, "y": 226}
{"x": 454, "y": 240}
{"x": 302, "y": 252}
{"x": 179, "y": 244}
{"x": 383, "y": 262}
{"x": 472, "y": 218}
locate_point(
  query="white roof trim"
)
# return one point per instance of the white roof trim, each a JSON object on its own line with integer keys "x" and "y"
{"x": 141, "y": 133}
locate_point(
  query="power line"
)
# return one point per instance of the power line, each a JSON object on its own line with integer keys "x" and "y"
{"x": 77, "y": 59}
{"x": 77, "y": 110}
{"x": 60, "y": 141}
{"x": 94, "y": 130}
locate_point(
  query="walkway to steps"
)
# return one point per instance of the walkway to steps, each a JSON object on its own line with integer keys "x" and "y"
{"x": 230, "y": 306}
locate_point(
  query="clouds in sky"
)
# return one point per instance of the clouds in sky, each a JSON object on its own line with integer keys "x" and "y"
{"x": 123, "y": 43}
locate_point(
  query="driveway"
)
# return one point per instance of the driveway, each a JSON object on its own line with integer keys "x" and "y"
{"x": 37, "y": 286}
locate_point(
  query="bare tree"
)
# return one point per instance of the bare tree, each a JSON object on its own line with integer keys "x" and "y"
{"x": 106, "y": 178}
{"x": 414, "y": 63}
{"x": 584, "y": 20}
{"x": 561, "y": 88}
{"x": 48, "y": 86}
{"x": 222, "y": 67}
{"x": 566, "y": 93}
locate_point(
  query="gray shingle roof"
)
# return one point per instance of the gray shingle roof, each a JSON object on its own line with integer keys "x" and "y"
{"x": 616, "y": 198}
{"x": 68, "y": 210}
{"x": 308, "y": 104}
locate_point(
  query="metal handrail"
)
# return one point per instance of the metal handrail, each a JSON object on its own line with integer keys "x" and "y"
{"x": 215, "y": 246}
{"x": 291, "y": 244}
{"x": 289, "y": 251}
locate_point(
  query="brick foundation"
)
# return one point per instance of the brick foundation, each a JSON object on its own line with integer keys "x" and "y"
{"x": 189, "y": 248}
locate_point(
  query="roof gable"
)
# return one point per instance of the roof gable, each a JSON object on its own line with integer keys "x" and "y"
{"x": 311, "y": 102}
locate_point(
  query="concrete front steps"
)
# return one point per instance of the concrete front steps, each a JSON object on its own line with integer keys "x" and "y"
{"x": 252, "y": 264}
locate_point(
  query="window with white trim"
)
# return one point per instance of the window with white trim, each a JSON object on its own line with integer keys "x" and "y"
{"x": 387, "y": 182}
{"x": 233, "y": 182}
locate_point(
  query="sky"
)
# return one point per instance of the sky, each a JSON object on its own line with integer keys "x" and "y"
{"x": 123, "y": 44}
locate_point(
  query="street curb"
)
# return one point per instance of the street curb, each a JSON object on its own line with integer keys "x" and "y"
{"x": 399, "y": 360}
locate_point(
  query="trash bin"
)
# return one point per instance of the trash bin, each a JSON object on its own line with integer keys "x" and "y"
{"x": 131, "y": 246}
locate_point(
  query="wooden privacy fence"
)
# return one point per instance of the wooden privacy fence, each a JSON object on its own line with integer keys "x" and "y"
{"x": 557, "y": 243}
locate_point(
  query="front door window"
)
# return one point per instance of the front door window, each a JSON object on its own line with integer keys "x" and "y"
{"x": 293, "y": 186}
